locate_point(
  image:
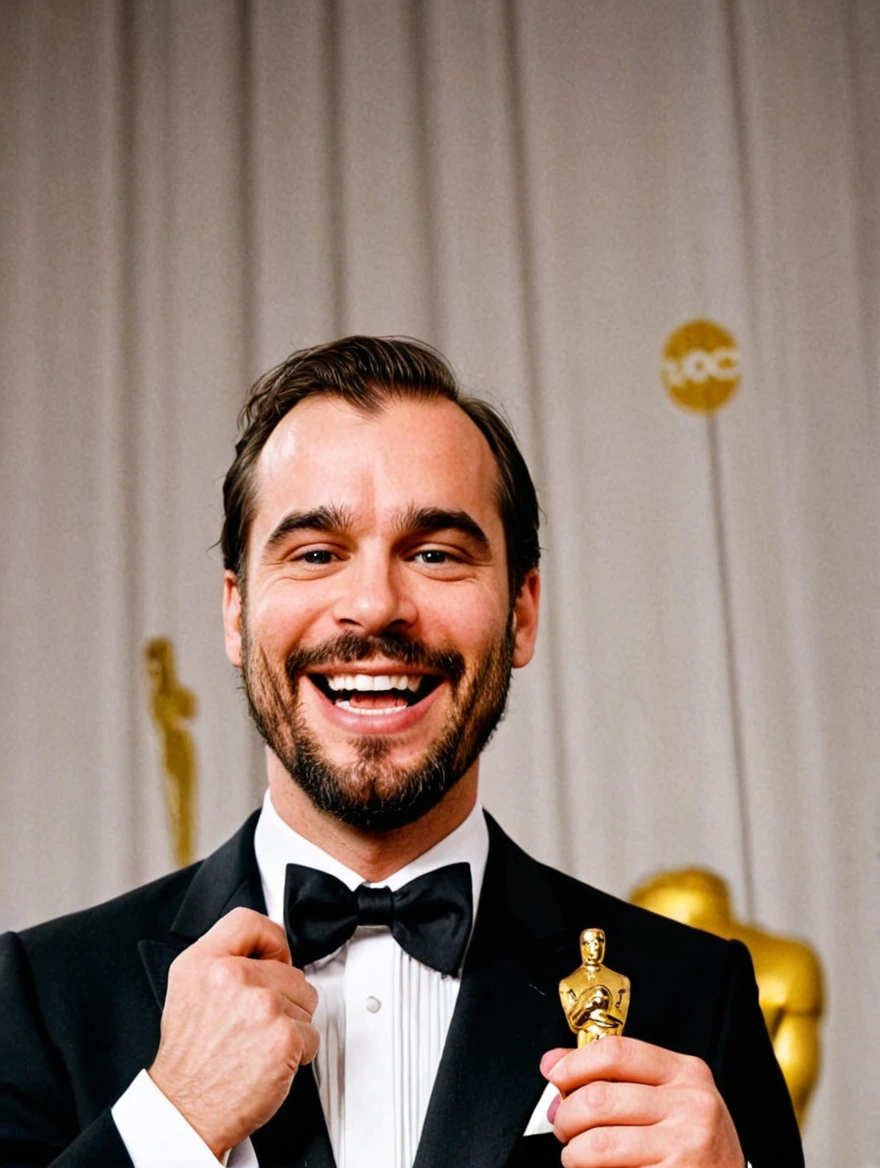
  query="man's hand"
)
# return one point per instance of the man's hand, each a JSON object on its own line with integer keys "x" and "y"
{"x": 236, "y": 1027}
{"x": 629, "y": 1104}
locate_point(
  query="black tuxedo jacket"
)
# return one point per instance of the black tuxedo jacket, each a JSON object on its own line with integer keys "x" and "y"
{"x": 81, "y": 997}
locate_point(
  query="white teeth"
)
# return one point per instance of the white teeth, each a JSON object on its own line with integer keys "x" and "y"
{"x": 368, "y": 682}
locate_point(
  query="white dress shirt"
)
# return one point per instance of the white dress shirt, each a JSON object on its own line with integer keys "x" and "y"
{"x": 382, "y": 1017}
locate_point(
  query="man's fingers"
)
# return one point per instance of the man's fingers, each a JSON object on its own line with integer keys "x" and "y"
{"x": 610, "y": 1147}
{"x": 244, "y": 933}
{"x": 628, "y": 1103}
{"x": 622, "y": 1060}
{"x": 605, "y": 1104}
{"x": 266, "y": 979}
{"x": 299, "y": 997}
{"x": 289, "y": 1043}
{"x": 551, "y": 1058}
{"x": 311, "y": 1041}
{"x": 245, "y": 948}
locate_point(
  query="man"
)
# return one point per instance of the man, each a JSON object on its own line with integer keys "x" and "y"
{"x": 381, "y": 550}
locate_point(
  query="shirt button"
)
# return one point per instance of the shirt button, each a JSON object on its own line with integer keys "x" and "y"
{"x": 373, "y": 1005}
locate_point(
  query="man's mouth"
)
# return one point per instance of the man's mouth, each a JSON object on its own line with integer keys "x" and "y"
{"x": 369, "y": 693}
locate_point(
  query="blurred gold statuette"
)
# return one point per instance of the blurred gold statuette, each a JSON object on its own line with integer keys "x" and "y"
{"x": 788, "y": 972}
{"x": 171, "y": 706}
{"x": 595, "y": 998}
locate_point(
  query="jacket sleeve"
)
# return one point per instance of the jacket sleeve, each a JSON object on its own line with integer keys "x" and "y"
{"x": 38, "y": 1119}
{"x": 747, "y": 1073}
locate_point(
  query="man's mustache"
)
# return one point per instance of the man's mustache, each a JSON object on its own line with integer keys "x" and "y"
{"x": 349, "y": 647}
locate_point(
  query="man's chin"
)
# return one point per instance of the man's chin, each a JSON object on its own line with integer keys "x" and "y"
{"x": 372, "y": 794}
{"x": 378, "y": 812}
{"x": 379, "y": 818}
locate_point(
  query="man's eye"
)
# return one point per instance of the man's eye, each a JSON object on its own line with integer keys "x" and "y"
{"x": 434, "y": 556}
{"x": 316, "y": 556}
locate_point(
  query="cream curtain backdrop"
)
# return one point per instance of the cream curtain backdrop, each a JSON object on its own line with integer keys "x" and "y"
{"x": 545, "y": 190}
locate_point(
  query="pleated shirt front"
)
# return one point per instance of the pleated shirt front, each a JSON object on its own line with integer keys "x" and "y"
{"x": 382, "y": 1016}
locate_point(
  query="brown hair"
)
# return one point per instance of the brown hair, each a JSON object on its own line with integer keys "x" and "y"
{"x": 366, "y": 372}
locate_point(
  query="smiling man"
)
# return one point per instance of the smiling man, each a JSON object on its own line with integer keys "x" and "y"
{"x": 366, "y": 975}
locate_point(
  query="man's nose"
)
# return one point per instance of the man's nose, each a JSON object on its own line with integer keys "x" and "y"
{"x": 375, "y": 597}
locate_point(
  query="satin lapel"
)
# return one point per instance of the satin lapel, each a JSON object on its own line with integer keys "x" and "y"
{"x": 157, "y": 957}
{"x": 297, "y": 1136}
{"x": 227, "y": 879}
{"x": 506, "y": 1017}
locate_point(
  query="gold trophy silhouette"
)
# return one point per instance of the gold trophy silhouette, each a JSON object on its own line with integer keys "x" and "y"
{"x": 172, "y": 706}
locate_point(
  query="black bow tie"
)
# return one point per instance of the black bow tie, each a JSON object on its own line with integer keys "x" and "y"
{"x": 430, "y": 918}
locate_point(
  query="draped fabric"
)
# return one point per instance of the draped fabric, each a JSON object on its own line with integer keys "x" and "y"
{"x": 546, "y": 190}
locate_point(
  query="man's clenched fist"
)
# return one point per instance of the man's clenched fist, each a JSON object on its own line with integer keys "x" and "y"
{"x": 236, "y": 1027}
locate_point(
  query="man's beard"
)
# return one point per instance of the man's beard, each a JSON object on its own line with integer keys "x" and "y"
{"x": 372, "y": 793}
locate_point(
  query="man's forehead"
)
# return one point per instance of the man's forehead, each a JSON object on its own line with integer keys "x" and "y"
{"x": 326, "y": 443}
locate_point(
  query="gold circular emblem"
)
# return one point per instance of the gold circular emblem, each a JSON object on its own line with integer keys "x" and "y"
{"x": 701, "y": 366}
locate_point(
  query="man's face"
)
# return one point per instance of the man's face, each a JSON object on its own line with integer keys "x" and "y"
{"x": 377, "y": 636}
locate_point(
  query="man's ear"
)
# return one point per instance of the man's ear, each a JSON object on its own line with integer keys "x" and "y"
{"x": 232, "y": 617}
{"x": 525, "y": 619}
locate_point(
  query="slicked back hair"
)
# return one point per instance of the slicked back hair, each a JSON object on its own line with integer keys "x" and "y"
{"x": 367, "y": 373}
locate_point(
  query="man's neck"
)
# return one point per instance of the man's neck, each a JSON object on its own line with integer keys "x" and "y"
{"x": 373, "y": 855}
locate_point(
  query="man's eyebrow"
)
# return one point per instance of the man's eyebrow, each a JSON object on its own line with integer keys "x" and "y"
{"x": 319, "y": 519}
{"x": 428, "y": 519}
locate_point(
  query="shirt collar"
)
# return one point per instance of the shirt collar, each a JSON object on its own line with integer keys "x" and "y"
{"x": 276, "y": 845}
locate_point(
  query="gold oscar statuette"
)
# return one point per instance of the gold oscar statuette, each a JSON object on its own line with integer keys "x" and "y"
{"x": 788, "y": 972}
{"x": 595, "y": 998}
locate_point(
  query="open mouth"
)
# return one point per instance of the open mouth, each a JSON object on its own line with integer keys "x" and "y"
{"x": 367, "y": 693}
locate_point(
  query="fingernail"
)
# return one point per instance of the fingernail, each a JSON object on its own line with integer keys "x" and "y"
{"x": 552, "y": 1109}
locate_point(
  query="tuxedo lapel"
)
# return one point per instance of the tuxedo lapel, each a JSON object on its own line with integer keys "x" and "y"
{"x": 227, "y": 879}
{"x": 506, "y": 1017}
{"x": 296, "y": 1137}
{"x": 157, "y": 957}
